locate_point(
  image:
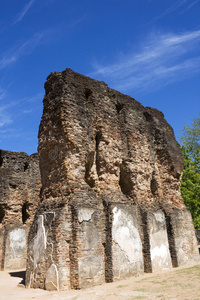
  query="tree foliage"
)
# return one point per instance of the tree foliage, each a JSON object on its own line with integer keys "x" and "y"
{"x": 191, "y": 137}
{"x": 190, "y": 184}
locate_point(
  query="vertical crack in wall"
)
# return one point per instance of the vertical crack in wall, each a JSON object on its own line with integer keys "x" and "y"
{"x": 74, "y": 274}
{"x": 1, "y": 162}
{"x": 98, "y": 139}
{"x": 146, "y": 243}
{"x": 154, "y": 184}
{"x": 2, "y": 213}
{"x": 108, "y": 243}
{"x": 171, "y": 240}
{"x": 88, "y": 166}
{"x": 25, "y": 214}
{"x": 123, "y": 129}
{"x": 152, "y": 141}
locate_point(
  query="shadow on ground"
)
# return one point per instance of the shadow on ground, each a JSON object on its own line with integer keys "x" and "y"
{"x": 20, "y": 274}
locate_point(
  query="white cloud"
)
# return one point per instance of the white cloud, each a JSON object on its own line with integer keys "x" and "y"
{"x": 19, "y": 50}
{"x": 191, "y": 4}
{"x": 11, "y": 110}
{"x": 23, "y": 12}
{"x": 176, "y": 5}
{"x": 162, "y": 60}
{"x": 43, "y": 37}
{"x": 180, "y": 6}
{"x": 2, "y": 93}
{"x": 5, "y": 118}
{"x": 36, "y": 98}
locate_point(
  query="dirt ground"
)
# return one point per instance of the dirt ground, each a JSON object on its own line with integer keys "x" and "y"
{"x": 180, "y": 283}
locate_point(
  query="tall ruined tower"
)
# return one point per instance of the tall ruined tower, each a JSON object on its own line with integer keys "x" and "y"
{"x": 111, "y": 205}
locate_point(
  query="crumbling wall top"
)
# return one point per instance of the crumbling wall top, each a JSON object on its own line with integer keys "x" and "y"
{"x": 19, "y": 187}
{"x": 93, "y": 137}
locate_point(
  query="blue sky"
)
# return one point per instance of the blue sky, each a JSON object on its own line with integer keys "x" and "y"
{"x": 148, "y": 49}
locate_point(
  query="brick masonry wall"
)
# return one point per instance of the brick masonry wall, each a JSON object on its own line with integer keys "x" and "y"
{"x": 111, "y": 172}
{"x": 19, "y": 196}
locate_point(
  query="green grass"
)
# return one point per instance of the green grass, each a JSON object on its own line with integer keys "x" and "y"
{"x": 140, "y": 290}
{"x": 121, "y": 286}
{"x": 194, "y": 270}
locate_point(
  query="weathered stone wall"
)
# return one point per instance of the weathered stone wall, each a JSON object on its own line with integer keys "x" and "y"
{"x": 19, "y": 196}
{"x": 111, "y": 204}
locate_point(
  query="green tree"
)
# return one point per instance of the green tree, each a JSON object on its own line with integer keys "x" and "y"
{"x": 190, "y": 184}
{"x": 191, "y": 137}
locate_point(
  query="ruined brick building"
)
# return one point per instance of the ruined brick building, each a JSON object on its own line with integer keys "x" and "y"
{"x": 110, "y": 200}
{"x": 107, "y": 205}
{"x": 20, "y": 185}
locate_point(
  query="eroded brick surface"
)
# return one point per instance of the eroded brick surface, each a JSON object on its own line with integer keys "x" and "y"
{"x": 111, "y": 172}
{"x": 19, "y": 196}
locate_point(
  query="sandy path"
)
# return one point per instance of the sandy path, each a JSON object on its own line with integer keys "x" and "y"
{"x": 179, "y": 283}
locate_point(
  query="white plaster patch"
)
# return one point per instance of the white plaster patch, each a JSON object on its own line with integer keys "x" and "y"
{"x": 126, "y": 235}
{"x": 39, "y": 244}
{"x": 85, "y": 214}
{"x": 161, "y": 251}
{"x": 160, "y": 255}
{"x": 116, "y": 214}
{"x": 159, "y": 216}
{"x": 51, "y": 282}
{"x": 18, "y": 242}
{"x": 90, "y": 267}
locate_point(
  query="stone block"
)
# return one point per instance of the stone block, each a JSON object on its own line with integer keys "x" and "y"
{"x": 90, "y": 250}
{"x": 51, "y": 282}
{"x": 159, "y": 245}
{"x": 127, "y": 254}
{"x": 185, "y": 241}
{"x": 15, "y": 249}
